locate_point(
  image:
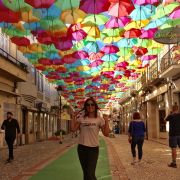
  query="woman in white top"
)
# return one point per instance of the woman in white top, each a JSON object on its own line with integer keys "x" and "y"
{"x": 89, "y": 122}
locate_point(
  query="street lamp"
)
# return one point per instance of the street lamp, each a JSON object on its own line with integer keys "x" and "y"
{"x": 59, "y": 89}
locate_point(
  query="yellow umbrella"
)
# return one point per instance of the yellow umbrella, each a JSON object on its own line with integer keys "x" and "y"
{"x": 59, "y": 32}
{"x": 19, "y": 26}
{"x": 92, "y": 31}
{"x": 24, "y": 49}
{"x": 36, "y": 47}
{"x": 72, "y": 16}
{"x": 136, "y": 24}
{"x": 83, "y": 68}
{"x": 27, "y": 16}
{"x": 111, "y": 39}
{"x": 63, "y": 53}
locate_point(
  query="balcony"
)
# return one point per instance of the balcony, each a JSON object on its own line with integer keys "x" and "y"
{"x": 11, "y": 68}
{"x": 170, "y": 63}
{"x": 169, "y": 67}
{"x": 154, "y": 77}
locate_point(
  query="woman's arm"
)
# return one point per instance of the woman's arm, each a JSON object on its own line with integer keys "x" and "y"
{"x": 105, "y": 129}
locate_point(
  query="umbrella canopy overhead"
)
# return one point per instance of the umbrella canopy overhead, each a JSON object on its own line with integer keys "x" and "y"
{"x": 89, "y": 47}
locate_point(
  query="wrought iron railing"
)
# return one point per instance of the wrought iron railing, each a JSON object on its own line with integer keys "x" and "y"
{"x": 13, "y": 60}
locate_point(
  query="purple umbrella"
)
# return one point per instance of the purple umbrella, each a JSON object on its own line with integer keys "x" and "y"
{"x": 63, "y": 44}
{"x": 94, "y": 6}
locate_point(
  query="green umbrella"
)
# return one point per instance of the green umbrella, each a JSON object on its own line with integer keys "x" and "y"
{"x": 67, "y": 4}
{"x": 51, "y": 24}
{"x": 93, "y": 19}
{"x": 124, "y": 51}
{"x": 112, "y": 32}
{"x": 15, "y": 32}
{"x": 49, "y": 48}
{"x": 154, "y": 51}
{"x": 17, "y": 5}
{"x": 162, "y": 11}
{"x": 170, "y": 23}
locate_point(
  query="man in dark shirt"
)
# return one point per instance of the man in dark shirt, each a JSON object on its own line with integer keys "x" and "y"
{"x": 10, "y": 126}
{"x": 174, "y": 133}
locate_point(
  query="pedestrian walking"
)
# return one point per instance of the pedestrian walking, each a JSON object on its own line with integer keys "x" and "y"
{"x": 10, "y": 125}
{"x": 89, "y": 122}
{"x": 136, "y": 134}
{"x": 174, "y": 133}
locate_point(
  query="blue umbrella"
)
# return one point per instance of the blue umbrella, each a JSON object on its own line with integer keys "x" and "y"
{"x": 155, "y": 23}
{"x": 142, "y": 12}
{"x": 110, "y": 57}
{"x": 50, "y": 13}
{"x": 124, "y": 42}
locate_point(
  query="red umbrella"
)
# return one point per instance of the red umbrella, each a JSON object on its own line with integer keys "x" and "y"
{"x": 139, "y": 51}
{"x": 44, "y": 37}
{"x": 94, "y": 6}
{"x": 20, "y": 41}
{"x": 45, "y": 61}
{"x": 80, "y": 55}
{"x": 9, "y": 16}
{"x": 69, "y": 59}
{"x": 58, "y": 62}
{"x": 132, "y": 33}
{"x": 63, "y": 43}
{"x": 110, "y": 49}
{"x": 120, "y": 8}
{"x": 40, "y": 3}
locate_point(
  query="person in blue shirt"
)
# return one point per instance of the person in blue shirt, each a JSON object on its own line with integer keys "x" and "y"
{"x": 136, "y": 134}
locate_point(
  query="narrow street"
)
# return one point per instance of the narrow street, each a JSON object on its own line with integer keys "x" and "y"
{"x": 30, "y": 159}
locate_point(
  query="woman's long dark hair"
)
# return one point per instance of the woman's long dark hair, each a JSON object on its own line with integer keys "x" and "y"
{"x": 86, "y": 113}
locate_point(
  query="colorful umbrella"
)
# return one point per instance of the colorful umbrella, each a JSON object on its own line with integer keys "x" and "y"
{"x": 120, "y": 8}
{"x": 95, "y": 6}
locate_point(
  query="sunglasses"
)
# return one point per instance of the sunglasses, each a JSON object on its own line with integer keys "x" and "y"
{"x": 90, "y": 104}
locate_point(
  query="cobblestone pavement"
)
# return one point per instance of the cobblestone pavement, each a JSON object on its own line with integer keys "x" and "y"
{"x": 154, "y": 164}
{"x": 31, "y": 158}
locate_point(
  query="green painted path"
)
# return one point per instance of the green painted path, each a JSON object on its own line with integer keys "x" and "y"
{"x": 67, "y": 167}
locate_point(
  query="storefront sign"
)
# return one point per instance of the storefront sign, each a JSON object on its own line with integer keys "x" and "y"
{"x": 168, "y": 35}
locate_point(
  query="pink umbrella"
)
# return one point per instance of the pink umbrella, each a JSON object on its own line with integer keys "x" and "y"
{"x": 148, "y": 34}
{"x": 110, "y": 49}
{"x": 94, "y": 6}
{"x": 115, "y": 22}
{"x": 144, "y": 2}
{"x": 175, "y": 14}
{"x": 96, "y": 63}
{"x": 79, "y": 35}
{"x": 95, "y": 56}
{"x": 148, "y": 57}
{"x": 74, "y": 74}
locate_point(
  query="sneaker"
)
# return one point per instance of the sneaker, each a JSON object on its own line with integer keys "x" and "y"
{"x": 173, "y": 165}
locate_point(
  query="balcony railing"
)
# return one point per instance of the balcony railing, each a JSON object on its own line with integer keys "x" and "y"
{"x": 13, "y": 60}
{"x": 153, "y": 71}
{"x": 167, "y": 62}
